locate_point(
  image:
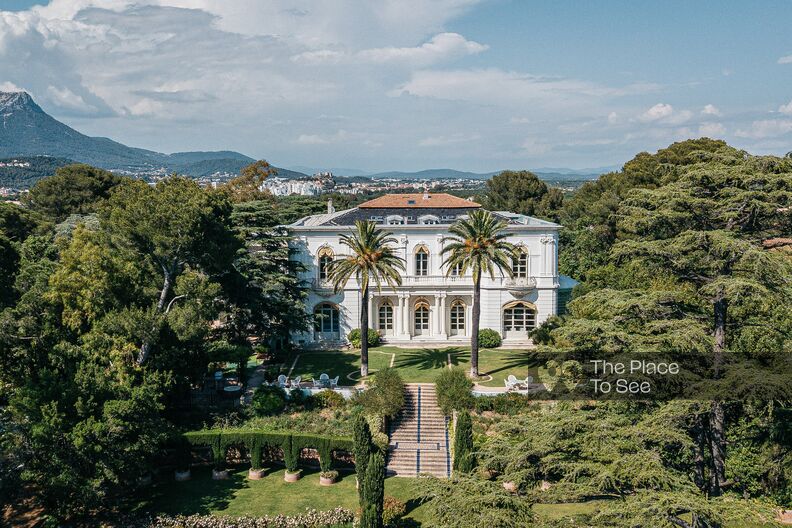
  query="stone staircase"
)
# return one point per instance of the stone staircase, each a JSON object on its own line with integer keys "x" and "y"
{"x": 418, "y": 437}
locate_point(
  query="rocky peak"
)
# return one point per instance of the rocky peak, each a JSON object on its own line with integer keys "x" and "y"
{"x": 10, "y": 101}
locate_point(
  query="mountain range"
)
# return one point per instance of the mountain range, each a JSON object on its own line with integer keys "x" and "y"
{"x": 27, "y": 130}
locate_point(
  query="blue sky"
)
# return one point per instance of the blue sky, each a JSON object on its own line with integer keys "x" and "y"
{"x": 408, "y": 84}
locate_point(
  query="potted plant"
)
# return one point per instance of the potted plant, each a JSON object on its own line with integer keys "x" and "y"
{"x": 328, "y": 478}
{"x": 256, "y": 471}
{"x": 290, "y": 459}
{"x": 183, "y": 458}
{"x": 219, "y": 471}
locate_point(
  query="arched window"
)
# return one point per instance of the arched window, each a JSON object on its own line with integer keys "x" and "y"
{"x": 520, "y": 264}
{"x": 519, "y": 318}
{"x": 421, "y": 319}
{"x": 421, "y": 261}
{"x": 457, "y": 317}
{"x": 325, "y": 258}
{"x": 386, "y": 317}
{"x": 326, "y": 319}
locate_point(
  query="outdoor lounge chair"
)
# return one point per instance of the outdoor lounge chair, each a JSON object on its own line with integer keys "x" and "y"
{"x": 528, "y": 382}
{"x": 511, "y": 382}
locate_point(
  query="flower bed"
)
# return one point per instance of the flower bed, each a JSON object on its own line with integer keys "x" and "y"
{"x": 309, "y": 519}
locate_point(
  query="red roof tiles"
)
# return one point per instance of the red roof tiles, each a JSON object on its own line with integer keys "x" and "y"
{"x": 417, "y": 201}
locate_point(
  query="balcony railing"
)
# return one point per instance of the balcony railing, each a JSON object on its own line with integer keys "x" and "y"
{"x": 514, "y": 283}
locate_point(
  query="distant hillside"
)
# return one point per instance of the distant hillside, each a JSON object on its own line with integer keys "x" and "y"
{"x": 28, "y": 131}
{"x": 23, "y": 171}
{"x": 431, "y": 174}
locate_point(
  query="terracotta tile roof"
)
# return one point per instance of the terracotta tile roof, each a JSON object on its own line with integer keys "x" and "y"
{"x": 417, "y": 201}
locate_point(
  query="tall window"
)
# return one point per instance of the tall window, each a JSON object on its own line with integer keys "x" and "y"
{"x": 458, "y": 317}
{"x": 520, "y": 265}
{"x": 519, "y": 317}
{"x": 386, "y": 317}
{"x": 422, "y": 261}
{"x": 456, "y": 270}
{"x": 325, "y": 258}
{"x": 421, "y": 318}
{"x": 326, "y": 319}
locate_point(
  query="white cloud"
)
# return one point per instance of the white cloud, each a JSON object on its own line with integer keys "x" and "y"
{"x": 787, "y": 59}
{"x": 441, "y": 141}
{"x": 322, "y": 139}
{"x": 786, "y": 109}
{"x": 442, "y": 46}
{"x": 613, "y": 118}
{"x": 658, "y": 111}
{"x": 766, "y": 128}
{"x": 318, "y": 57}
{"x": 712, "y": 130}
{"x": 8, "y": 86}
{"x": 533, "y": 147}
{"x": 710, "y": 110}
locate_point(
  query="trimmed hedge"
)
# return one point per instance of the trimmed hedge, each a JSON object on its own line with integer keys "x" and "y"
{"x": 254, "y": 441}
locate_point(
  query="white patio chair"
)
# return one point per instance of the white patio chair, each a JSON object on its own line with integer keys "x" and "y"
{"x": 511, "y": 381}
{"x": 334, "y": 382}
{"x": 295, "y": 383}
{"x": 324, "y": 380}
{"x": 282, "y": 380}
{"x": 316, "y": 383}
{"x": 528, "y": 382}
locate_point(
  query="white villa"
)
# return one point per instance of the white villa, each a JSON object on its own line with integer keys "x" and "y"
{"x": 429, "y": 307}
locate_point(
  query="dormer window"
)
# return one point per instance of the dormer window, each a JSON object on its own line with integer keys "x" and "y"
{"x": 394, "y": 220}
{"x": 428, "y": 219}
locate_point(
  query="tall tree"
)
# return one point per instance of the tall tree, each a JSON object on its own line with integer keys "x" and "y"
{"x": 74, "y": 189}
{"x": 372, "y": 258}
{"x": 174, "y": 226}
{"x": 522, "y": 192}
{"x": 248, "y": 185}
{"x": 478, "y": 243}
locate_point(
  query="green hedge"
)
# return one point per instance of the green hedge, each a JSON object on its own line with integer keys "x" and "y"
{"x": 254, "y": 441}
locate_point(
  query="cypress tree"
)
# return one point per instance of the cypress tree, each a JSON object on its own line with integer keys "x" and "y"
{"x": 463, "y": 443}
{"x": 362, "y": 449}
{"x": 373, "y": 491}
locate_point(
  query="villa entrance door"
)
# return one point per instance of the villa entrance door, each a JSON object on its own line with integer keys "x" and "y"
{"x": 518, "y": 320}
{"x": 421, "y": 323}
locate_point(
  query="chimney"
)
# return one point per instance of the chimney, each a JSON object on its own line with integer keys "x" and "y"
{"x": 426, "y": 192}
{"x": 330, "y": 208}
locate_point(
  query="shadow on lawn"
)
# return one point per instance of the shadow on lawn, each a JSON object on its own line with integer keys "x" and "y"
{"x": 312, "y": 364}
{"x": 425, "y": 358}
{"x": 514, "y": 360}
{"x": 200, "y": 495}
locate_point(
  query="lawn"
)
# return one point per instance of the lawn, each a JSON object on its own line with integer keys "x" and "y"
{"x": 239, "y": 496}
{"x": 416, "y": 365}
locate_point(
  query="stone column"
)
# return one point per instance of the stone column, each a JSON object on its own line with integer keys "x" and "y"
{"x": 443, "y": 316}
{"x": 436, "y": 316}
{"x": 406, "y": 316}
{"x": 397, "y": 317}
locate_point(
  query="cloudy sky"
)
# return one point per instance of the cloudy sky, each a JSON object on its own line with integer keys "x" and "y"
{"x": 408, "y": 84}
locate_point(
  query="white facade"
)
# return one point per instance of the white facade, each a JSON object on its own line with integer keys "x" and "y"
{"x": 428, "y": 307}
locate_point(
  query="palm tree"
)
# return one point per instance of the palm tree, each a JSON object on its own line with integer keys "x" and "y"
{"x": 372, "y": 257}
{"x": 477, "y": 243}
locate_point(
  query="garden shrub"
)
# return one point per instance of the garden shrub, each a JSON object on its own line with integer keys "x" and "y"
{"x": 510, "y": 403}
{"x": 489, "y": 338}
{"x": 328, "y": 399}
{"x": 463, "y": 443}
{"x": 392, "y": 511}
{"x": 362, "y": 447}
{"x": 298, "y": 398}
{"x": 454, "y": 391}
{"x": 290, "y": 455}
{"x": 385, "y": 396}
{"x": 373, "y": 493}
{"x": 541, "y": 334}
{"x": 268, "y": 400}
{"x": 354, "y": 337}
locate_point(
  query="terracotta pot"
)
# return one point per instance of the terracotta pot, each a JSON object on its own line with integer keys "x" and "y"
{"x": 219, "y": 475}
{"x": 510, "y": 487}
{"x": 181, "y": 476}
{"x": 325, "y": 481}
{"x": 255, "y": 474}
{"x": 292, "y": 477}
